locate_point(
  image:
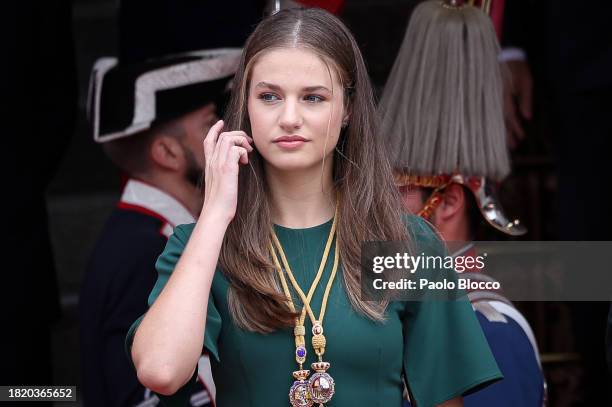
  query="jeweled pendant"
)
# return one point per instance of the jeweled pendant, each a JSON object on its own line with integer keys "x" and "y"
{"x": 321, "y": 385}
{"x": 300, "y": 354}
{"x": 299, "y": 396}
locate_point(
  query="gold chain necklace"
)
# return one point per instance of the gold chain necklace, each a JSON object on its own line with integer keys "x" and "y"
{"x": 320, "y": 387}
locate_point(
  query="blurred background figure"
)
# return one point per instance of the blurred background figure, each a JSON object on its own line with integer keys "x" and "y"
{"x": 442, "y": 119}
{"x": 39, "y": 86}
{"x": 156, "y": 139}
{"x": 150, "y": 109}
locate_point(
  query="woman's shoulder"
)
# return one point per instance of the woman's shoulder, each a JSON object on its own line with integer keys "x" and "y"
{"x": 423, "y": 233}
{"x": 175, "y": 247}
{"x": 184, "y": 231}
{"x": 179, "y": 238}
{"x": 418, "y": 227}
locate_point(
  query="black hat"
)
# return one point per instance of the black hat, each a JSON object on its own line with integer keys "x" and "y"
{"x": 125, "y": 99}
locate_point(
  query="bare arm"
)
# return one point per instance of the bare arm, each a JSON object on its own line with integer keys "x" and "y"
{"x": 168, "y": 342}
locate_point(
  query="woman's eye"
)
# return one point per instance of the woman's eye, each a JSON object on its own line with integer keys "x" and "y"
{"x": 268, "y": 97}
{"x": 314, "y": 98}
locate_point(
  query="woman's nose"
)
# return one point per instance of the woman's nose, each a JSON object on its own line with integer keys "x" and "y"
{"x": 291, "y": 117}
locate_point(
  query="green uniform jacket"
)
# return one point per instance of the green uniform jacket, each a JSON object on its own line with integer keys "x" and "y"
{"x": 437, "y": 345}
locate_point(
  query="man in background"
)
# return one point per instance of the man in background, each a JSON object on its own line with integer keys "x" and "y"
{"x": 448, "y": 152}
{"x": 160, "y": 150}
{"x": 150, "y": 110}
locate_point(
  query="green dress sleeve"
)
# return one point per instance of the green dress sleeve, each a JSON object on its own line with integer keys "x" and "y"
{"x": 446, "y": 354}
{"x": 165, "y": 266}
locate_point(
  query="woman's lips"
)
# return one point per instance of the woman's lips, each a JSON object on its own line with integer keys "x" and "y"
{"x": 290, "y": 145}
{"x": 290, "y": 142}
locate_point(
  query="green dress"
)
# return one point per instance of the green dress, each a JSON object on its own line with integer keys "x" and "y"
{"x": 439, "y": 345}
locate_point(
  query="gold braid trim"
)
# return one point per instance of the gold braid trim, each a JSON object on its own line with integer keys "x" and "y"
{"x": 427, "y": 181}
{"x": 430, "y": 206}
{"x": 438, "y": 182}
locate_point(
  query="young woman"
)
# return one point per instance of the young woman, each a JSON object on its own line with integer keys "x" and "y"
{"x": 268, "y": 279}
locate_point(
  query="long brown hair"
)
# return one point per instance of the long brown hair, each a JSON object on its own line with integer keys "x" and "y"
{"x": 369, "y": 204}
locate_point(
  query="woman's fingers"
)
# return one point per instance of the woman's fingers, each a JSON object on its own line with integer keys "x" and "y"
{"x": 210, "y": 141}
{"x": 239, "y": 154}
{"x": 239, "y": 133}
{"x": 229, "y": 140}
{"x": 225, "y": 152}
{"x": 224, "y": 141}
{"x": 246, "y": 140}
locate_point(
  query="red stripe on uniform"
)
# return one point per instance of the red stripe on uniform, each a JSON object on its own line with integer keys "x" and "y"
{"x": 140, "y": 209}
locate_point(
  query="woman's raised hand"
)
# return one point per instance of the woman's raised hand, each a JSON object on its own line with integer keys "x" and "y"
{"x": 223, "y": 153}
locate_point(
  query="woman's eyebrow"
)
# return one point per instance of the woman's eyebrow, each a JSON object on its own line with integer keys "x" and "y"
{"x": 305, "y": 89}
{"x": 267, "y": 85}
{"x": 315, "y": 88}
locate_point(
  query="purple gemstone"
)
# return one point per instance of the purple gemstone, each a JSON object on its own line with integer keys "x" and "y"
{"x": 301, "y": 352}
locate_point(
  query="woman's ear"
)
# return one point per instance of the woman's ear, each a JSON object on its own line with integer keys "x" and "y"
{"x": 345, "y": 121}
{"x": 346, "y": 115}
{"x": 346, "y": 112}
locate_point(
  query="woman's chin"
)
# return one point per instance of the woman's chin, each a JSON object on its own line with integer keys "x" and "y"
{"x": 293, "y": 164}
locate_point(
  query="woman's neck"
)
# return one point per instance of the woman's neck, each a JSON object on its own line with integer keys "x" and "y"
{"x": 301, "y": 199}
